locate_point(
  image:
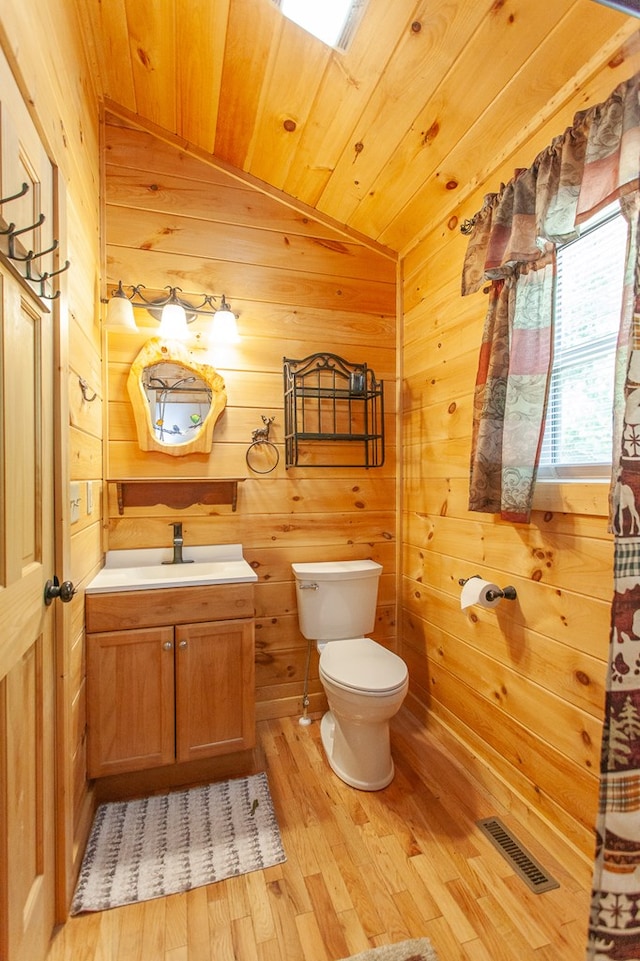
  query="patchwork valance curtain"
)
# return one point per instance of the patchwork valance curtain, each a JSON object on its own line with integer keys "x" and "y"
{"x": 512, "y": 249}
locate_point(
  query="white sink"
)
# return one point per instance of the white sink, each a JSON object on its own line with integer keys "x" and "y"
{"x": 150, "y": 569}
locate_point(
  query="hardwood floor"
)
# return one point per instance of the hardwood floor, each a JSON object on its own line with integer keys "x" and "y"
{"x": 363, "y": 869}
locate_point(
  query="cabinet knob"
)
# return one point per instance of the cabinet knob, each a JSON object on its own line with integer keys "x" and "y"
{"x": 167, "y": 645}
{"x": 182, "y": 644}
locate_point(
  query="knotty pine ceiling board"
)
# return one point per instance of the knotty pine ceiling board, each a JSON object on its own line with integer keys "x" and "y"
{"x": 434, "y": 151}
{"x": 154, "y": 60}
{"x": 529, "y": 67}
{"x": 253, "y": 29}
{"x": 106, "y": 36}
{"x": 424, "y": 96}
{"x": 420, "y": 61}
{"x": 348, "y": 83}
{"x": 458, "y": 102}
{"x": 199, "y": 68}
{"x": 416, "y": 219}
{"x": 289, "y": 90}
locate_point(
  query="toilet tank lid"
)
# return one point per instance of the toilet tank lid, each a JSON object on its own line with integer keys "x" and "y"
{"x": 326, "y": 570}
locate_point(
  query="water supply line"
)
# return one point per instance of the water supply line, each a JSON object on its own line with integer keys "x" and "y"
{"x": 305, "y": 721}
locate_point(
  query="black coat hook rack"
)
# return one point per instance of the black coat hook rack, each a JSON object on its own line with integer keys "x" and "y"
{"x": 11, "y": 232}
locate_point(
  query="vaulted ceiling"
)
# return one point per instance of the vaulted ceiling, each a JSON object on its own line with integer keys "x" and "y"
{"x": 378, "y": 137}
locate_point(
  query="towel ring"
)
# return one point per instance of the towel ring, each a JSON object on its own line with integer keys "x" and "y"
{"x": 262, "y": 452}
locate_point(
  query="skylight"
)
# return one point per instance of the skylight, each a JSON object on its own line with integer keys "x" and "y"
{"x": 332, "y": 21}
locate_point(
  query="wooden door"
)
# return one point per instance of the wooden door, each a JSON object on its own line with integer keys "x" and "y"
{"x": 130, "y": 701}
{"x": 215, "y": 688}
{"x": 27, "y": 641}
{"x": 27, "y": 675}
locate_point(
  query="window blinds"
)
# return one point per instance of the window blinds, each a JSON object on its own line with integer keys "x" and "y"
{"x": 588, "y": 300}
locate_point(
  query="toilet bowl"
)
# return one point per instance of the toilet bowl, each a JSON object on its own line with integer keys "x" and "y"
{"x": 365, "y": 683}
{"x": 365, "y": 686}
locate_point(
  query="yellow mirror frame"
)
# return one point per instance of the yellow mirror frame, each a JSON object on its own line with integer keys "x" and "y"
{"x": 157, "y": 351}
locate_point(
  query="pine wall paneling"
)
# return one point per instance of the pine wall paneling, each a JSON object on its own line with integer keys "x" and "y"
{"x": 521, "y": 687}
{"x": 298, "y": 286}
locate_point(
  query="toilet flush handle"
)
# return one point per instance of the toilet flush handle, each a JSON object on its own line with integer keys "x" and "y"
{"x": 311, "y": 586}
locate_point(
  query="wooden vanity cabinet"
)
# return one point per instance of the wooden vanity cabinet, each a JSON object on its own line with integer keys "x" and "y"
{"x": 161, "y": 694}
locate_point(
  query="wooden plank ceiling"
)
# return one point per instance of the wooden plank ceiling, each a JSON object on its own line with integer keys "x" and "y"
{"x": 377, "y": 138}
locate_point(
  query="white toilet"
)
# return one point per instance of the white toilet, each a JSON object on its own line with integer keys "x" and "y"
{"x": 365, "y": 683}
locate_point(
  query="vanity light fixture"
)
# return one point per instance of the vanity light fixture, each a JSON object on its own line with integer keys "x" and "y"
{"x": 173, "y": 312}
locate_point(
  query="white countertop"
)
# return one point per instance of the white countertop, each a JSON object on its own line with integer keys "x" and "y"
{"x": 151, "y": 569}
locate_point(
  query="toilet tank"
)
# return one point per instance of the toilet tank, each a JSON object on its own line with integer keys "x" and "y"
{"x": 342, "y": 603}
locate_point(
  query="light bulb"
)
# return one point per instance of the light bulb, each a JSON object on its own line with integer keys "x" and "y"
{"x": 223, "y": 328}
{"x": 173, "y": 324}
{"x": 120, "y": 312}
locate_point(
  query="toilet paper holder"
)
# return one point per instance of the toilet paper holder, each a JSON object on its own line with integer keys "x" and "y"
{"x": 508, "y": 593}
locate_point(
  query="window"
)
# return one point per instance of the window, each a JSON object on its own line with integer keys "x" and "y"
{"x": 332, "y": 21}
{"x": 588, "y": 300}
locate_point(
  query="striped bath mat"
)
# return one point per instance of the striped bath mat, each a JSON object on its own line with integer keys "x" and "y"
{"x": 161, "y": 845}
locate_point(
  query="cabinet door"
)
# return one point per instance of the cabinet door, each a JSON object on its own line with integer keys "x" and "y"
{"x": 130, "y": 700}
{"x": 215, "y": 688}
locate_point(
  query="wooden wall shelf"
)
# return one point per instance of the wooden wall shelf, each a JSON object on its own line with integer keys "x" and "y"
{"x": 177, "y": 494}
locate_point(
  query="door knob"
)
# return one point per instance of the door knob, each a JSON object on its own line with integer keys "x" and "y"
{"x": 54, "y": 588}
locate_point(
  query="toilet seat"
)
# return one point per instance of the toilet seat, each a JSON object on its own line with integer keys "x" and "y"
{"x": 360, "y": 664}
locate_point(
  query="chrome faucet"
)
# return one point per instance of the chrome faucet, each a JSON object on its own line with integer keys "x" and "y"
{"x": 177, "y": 546}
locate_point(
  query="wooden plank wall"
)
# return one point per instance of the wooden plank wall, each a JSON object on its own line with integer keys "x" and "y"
{"x": 298, "y": 287}
{"x": 520, "y": 686}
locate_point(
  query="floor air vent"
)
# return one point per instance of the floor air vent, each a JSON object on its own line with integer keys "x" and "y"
{"x": 518, "y": 857}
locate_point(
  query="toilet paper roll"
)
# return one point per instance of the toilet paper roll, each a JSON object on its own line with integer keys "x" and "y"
{"x": 476, "y": 591}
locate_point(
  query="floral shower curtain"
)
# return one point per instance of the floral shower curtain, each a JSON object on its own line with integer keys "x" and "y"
{"x": 512, "y": 247}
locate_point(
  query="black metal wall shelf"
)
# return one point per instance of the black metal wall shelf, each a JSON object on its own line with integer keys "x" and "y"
{"x": 328, "y": 399}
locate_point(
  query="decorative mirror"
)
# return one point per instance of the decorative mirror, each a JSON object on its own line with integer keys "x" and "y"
{"x": 176, "y": 401}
